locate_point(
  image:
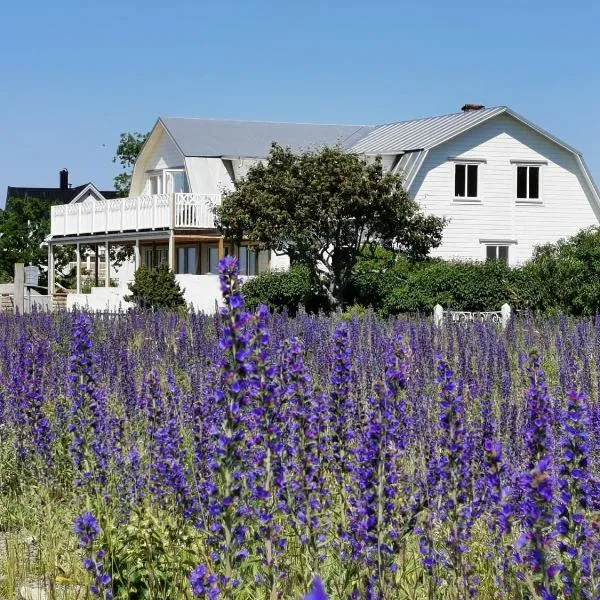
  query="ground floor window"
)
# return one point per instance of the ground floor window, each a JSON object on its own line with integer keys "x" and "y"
{"x": 152, "y": 256}
{"x": 497, "y": 252}
{"x": 187, "y": 260}
{"x": 248, "y": 258}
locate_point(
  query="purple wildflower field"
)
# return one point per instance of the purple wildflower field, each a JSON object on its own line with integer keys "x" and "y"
{"x": 255, "y": 456}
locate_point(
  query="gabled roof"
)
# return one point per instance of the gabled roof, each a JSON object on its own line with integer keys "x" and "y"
{"x": 91, "y": 189}
{"x": 421, "y": 134}
{"x": 424, "y": 134}
{"x": 253, "y": 139}
{"x": 58, "y": 195}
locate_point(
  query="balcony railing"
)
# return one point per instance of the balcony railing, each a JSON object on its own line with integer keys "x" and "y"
{"x": 160, "y": 211}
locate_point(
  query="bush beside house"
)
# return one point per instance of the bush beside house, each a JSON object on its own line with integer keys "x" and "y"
{"x": 561, "y": 277}
{"x": 156, "y": 288}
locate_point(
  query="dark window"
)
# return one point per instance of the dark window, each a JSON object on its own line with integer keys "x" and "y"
{"x": 472, "y": 181}
{"x": 521, "y": 182}
{"x": 460, "y": 178}
{"x": 528, "y": 183}
{"x": 497, "y": 253}
{"x": 465, "y": 181}
{"x": 534, "y": 182}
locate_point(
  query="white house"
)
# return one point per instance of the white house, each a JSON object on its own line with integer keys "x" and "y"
{"x": 504, "y": 183}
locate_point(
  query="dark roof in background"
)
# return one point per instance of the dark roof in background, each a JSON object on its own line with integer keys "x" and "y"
{"x": 253, "y": 139}
{"x": 53, "y": 194}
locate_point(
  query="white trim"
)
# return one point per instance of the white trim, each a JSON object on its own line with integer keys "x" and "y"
{"x": 497, "y": 242}
{"x": 89, "y": 188}
{"x": 527, "y": 163}
{"x": 467, "y": 160}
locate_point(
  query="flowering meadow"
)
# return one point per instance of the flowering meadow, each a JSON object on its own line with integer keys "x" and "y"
{"x": 250, "y": 456}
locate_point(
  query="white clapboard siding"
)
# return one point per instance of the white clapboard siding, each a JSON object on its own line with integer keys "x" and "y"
{"x": 566, "y": 202}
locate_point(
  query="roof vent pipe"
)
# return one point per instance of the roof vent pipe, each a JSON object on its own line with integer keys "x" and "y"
{"x": 472, "y": 107}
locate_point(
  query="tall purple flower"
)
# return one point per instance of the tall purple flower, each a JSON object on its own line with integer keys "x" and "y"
{"x": 90, "y": 425}
{"x": 88, "y": 530}
{"x": 453, "y": 481}
{"x": 575, "y": 541}
{"x": 537, "y": 485}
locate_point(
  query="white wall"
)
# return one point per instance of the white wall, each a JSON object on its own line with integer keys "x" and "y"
{"x": 279, "y": 263}
{"x": 160, "y": 152}
{"x": 101, "y": 299}
{"x": 566, "y": 207}
{"x": 123, "y": 274}
{"x": 207, "y": 175}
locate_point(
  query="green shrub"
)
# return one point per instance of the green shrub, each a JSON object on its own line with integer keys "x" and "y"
{"x": 156, "y": 288}
{"x": 376, "y": 275}
{"x": 284, "y": 290}
{"x": 454, "y": 285}
{"x": 565, "y": 276}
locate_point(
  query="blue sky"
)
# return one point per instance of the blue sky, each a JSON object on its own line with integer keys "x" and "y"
{"x": 74, "y": 74}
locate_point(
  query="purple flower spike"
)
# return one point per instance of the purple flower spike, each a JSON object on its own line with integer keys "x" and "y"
{"x": 317, "y": 591}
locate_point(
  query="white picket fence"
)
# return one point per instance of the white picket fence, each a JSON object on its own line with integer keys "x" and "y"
{"x": 501, "y": 317}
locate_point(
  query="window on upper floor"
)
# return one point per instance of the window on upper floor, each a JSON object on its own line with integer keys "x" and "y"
{"x": 176, "y": 181}
{"x": 466, "y": 181}
{"x": 155, "y": 184}
{"x": 168, "y": 181}
{"x": 528, "y": 182}
{"x": 496, "y": 252}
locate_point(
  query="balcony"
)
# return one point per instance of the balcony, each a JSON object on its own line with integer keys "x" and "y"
{"x": 139, "y": 213}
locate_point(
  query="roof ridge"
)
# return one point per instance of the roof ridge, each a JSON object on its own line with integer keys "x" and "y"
{"x": 216, "y": 120}
{"x": 457, "y": 113}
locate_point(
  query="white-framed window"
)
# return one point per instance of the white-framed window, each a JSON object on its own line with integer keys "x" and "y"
{"x": 168, "y": 181}
{"x": 497, "y": 252}
{"x": 176, "y": 181}
{"x": 467, "y": 184}
{"x": 155, "y": 184}
{"x": 528, "y": 182}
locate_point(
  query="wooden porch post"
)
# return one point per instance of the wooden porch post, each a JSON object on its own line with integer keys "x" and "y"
{"x": 172, "y": 251}
{"x": 96, "y": 265}
{"x": 78, "y": 271}
{"x": 107, "y": 261}
{"x": 221, "y": 248}
{"x": 136, "y": 254}
{"x": 50, "y": 269}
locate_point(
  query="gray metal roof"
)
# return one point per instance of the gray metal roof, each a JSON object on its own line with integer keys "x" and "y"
{"x": 253, "y": 139}
{"x": 421, "y": 134}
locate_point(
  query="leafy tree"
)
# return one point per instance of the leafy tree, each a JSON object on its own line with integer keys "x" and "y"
{"x": 24, "y": 225}
{"x": 323, "y": 208}
{"x": 128, "y": 150}
{"x": 156, "y": 288}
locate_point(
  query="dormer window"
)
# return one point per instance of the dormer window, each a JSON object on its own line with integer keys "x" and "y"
{"x": 168, "y": 181}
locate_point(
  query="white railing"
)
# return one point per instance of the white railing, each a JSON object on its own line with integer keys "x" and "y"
{"x": 138, "y": 213}
{"x": 501, "y": 316}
